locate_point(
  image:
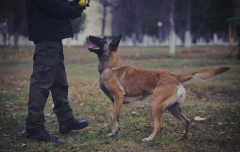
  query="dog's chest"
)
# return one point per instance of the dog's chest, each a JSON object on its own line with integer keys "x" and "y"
{"x": 103, "y": 83}
{"x": 103, "y": 78}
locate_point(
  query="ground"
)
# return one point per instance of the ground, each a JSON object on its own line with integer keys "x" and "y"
{"x": 217, "y": 101}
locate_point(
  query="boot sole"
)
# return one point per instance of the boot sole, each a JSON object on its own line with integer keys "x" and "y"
{"x": 38, "y": 139}
{"x": 72, "y": 128}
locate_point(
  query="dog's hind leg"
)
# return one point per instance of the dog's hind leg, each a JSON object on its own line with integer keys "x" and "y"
{"x": 162, "y": 95}
{"x": 176, "y": 111}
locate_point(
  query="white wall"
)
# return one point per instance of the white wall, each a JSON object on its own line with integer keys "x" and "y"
{"x": 93, "y": 23}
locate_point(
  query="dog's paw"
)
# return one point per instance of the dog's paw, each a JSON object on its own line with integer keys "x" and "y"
{"x": 114, "y": 133}
{"x": 184, "y": 134}
{"x": 146, "y": 140}
{"x": 111, "y": 135}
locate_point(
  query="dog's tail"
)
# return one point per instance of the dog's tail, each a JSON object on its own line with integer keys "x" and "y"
{"x": 203, "y": 74}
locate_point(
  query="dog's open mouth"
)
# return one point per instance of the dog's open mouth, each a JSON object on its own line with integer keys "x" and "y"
{"x": 97, "y": 44}
{"x": 93, "y": 48}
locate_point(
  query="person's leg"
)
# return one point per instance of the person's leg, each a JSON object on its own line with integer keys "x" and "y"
{"x": 59, "y": 90}
{"x": 42, "y": 79}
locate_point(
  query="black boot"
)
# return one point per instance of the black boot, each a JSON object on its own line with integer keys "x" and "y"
{"x": 41, "y": 135}
{"x": 72, "y": 124}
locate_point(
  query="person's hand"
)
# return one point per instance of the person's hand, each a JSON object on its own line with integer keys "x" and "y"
{"x": 74, "y": 2}
{"x": 77, "y": 11}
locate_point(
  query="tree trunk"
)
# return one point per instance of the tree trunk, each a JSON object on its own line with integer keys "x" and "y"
{"x": 24, "y": 40}
{"x": 172, "y": 41}
{"x": 172, "y": 32}
{"x": 215, "y": 38}
{"x": 188, "y": 39}
{"x": 68, "y": 43}
{"x": 145, "y": 38}
{"x": 104, "y": 19}
{"x": 16, "y": 37}
{"x": 134, "y": 40}
{"x": 139, "y": 34}
{"x": 9, "y": 40}
{"x": 238, "y": 48}
{"x": 159, "y": 36}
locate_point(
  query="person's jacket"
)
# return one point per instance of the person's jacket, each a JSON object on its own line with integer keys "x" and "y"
{"x": 49, "y": 20}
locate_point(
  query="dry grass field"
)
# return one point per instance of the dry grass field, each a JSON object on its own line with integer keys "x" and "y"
{"x": 216, "y": 100}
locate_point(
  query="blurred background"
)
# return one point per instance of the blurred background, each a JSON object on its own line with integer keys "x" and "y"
{"x": 142, "y": 22}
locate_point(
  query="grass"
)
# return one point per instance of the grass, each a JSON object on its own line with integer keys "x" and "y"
{"x": 217, "y": 100}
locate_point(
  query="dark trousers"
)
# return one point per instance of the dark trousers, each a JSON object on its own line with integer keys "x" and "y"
{"x": 48, "y": 75}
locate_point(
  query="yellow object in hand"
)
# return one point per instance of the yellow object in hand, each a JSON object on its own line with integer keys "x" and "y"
{"x": 81, "y": 3}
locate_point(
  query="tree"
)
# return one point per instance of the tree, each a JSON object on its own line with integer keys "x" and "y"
{"x": 188, "y": 39}
{"x": 217, "y": 13}
{"x": 172, "y": 30}
{"x": 15, "y": 13}
{"x": 105, "y": 4}
{"x": 133, "y": 17}
{"x": 192, "y": 19}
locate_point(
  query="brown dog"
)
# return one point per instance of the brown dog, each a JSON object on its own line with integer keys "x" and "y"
{"x": 123, "y": 84}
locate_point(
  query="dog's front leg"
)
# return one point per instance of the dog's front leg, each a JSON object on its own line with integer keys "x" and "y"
{"x": 118, "y": 100}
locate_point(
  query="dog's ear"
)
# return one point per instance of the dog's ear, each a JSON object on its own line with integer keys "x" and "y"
{"x": 114, "y": 44}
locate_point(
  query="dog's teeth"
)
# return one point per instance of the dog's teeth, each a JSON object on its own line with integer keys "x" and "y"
{"x": 93, "y": 47}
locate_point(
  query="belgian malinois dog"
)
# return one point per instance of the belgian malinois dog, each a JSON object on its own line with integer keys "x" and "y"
{"x": 124, "y": 84}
